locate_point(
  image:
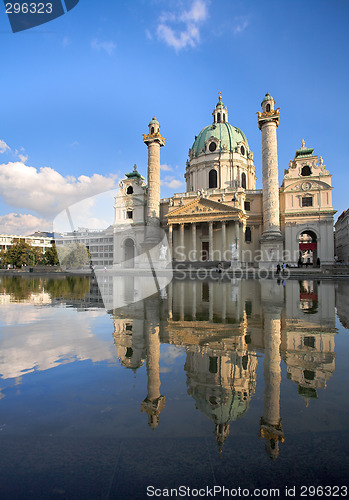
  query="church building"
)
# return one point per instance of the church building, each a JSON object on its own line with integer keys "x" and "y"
{"x": 222, "y": 217}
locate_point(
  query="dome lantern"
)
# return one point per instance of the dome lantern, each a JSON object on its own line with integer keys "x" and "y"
{"x": 220, "y": 112}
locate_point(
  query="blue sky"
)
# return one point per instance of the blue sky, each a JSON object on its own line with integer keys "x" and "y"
{"x": 79, "y": 92}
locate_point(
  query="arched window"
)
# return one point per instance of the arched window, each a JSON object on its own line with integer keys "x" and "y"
{"x": 248, "y": 236}
{"x": 212, "y": 147}
{"x": 306, "y": 171}
{"x": 242, "y": 149}
{"x": 223, "y": 117}
{"x": 212, "y": 179}
{"x": 129, "y": 190}
{"x": 152, "y": 130}
{"x": 243, "y": 180}
{"x": 267, "y": 108}
{"x": 218, "y": 117}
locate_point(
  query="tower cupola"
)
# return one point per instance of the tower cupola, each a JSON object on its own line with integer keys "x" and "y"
{"x": 154, "y": 126}
{"x": 220, "y": 112}
{"x": 268, "y": 103}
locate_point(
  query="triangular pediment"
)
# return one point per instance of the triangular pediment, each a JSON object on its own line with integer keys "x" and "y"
{"x": 203, "y": 207}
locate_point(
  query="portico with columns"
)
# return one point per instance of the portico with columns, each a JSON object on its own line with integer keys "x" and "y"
{"x": 205, "y": 230}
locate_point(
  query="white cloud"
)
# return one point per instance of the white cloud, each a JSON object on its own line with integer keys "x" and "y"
{"x": 23, "y": 224}
{"x": 240, "y": 26}
{"x": 3, "y": 146}
{"x": 46, "y": 191}
{"x": 171, "y": 30}
{"x": 66, "y": 41}
{"x": 165, "y": 167}
{"x": 23, "y": 158}
{"x": 108, "y": 47}
{"x": 171, "y": 182}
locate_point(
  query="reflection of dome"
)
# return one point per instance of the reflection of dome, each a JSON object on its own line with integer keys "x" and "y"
{"x": 228, "y": 136}
{"x": 229, "y": 407}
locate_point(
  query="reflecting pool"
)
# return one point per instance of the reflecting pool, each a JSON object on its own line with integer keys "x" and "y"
{"x": 236, "y": 384}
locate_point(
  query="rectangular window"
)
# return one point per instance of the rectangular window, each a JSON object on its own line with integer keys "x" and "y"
{"x": 309, "y": 342}
{"x": 129, "y": 214}
{"x": 307, "y": 201}
{"x": 247, "y": 206}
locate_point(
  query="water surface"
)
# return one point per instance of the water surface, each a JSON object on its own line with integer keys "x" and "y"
{"x": 232, "y": 383}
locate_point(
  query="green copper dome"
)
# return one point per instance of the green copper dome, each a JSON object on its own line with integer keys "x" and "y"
{"x": 267, "y": 97}
{"x": 154, "y": 121}
{"x": 228, "y": 136}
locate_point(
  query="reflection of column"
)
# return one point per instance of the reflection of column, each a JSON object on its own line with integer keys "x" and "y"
{"x": 170, "y": 299}
{"x": 210, "y": 239}
{"x": 270, "y": 424}
{"x": 181, "y": 240}
{"x": 193, "y": 298}
{"x": 223, "y": 241}
{"x": 193, "y": 235}
{"x": 210, "y": 287}
{"x": 170, "y": 239}
{"x": 154, "y": 402}
{"x": 181, "y": 301}
{"x": 224, "y": 302}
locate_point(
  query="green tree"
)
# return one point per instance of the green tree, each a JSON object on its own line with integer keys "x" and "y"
{"x": 51, "y": 256}
{"x": 21, "y": 253}
{"x": 74, "y": 256}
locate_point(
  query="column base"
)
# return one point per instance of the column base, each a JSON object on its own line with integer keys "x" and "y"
{"x": 272, "y": 250}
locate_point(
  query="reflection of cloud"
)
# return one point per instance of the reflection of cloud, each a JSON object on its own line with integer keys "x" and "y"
{"x": 46, "y": 191}
{"x": 23, "y": 224}
{"x": 108, "y": 47}
{"x": 34, "y": 339}
{"x": 188, "y": 33}
{"x": 169, "y": 355}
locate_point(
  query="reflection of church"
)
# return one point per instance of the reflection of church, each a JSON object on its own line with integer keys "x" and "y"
{"x": 222, "y": 216}
{"x": 224, "y": 327}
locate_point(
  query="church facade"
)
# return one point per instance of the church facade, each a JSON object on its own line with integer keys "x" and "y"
{"x": 222, "y": 217}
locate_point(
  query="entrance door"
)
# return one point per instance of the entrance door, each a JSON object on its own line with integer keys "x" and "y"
{"x": 205, "y": 246}
{"x": 307, "y": 248}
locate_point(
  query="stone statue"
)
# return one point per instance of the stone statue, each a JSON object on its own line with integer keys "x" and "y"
{"x": 303, "y": 143}
{"x": 163, "y": 252}
{"x": 170, "y": 203}
{"x": 321, "y": 161}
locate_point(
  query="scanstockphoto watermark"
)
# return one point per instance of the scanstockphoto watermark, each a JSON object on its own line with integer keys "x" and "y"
{"x": 217, "y": 273}
{"x": 24, "y": 15}
{"x": 215, "y": 491}
{"x": 181, "y": 254}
